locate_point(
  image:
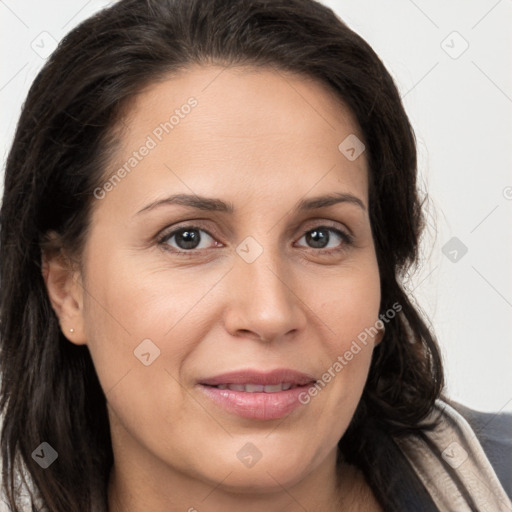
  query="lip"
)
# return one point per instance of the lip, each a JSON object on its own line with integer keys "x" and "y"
{"x": 259, "y": 377}
{"x": 258, "y": 405}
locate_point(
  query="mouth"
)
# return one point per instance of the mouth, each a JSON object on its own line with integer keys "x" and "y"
{"x": 258, "y": 388}
{"x": 258, "y": 395}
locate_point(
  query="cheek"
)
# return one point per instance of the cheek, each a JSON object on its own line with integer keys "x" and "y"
{"x": 142, "y": 325}
{"x": 348, "y": 303}
{"x": 349, "y": 307}
{"x": 127, "y": 315}
{"x": 127, "y": 301}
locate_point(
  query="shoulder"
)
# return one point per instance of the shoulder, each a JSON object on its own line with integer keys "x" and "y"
{"x": 494, "y": 432}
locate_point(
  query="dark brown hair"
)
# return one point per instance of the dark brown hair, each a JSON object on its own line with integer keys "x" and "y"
{"x": 64, "y": 139}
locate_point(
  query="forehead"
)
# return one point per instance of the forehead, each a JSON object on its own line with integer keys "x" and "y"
{"x": 213, "y": 128}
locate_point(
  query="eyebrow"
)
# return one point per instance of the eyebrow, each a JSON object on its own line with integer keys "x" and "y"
{"x": 217, "y": 205}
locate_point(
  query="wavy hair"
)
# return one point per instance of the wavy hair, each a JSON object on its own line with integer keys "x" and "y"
{"x": 64, "y": 139}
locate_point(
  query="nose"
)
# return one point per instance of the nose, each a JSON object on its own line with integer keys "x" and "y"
{"x": 265, "y": 302}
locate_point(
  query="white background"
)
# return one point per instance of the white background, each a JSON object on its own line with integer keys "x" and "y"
{"x": 460, "y": 105}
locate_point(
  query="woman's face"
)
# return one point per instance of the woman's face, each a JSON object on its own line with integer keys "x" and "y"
{"x": 247, "y": 279}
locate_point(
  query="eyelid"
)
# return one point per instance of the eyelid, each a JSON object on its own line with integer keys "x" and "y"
{"x": 316, "y": 223}
{"x": 170, "y": 232}
{"x": 346, "y": 237}
{"x": 343, "y": 232}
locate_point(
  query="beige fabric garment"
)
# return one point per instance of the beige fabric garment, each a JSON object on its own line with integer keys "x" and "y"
{"x": 455, "y": 453}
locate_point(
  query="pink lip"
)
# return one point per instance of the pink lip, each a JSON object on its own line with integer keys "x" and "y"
{"x": 258, "y": 405}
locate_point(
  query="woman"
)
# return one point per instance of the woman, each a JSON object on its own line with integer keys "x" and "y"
{"x": 208, "y": 209}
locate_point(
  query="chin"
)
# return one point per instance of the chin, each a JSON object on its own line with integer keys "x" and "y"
{"x": 260, "y": 470}
{"x": 262, "y": 480}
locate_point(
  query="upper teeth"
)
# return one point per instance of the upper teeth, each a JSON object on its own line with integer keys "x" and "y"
{"x": 256, "y": 388}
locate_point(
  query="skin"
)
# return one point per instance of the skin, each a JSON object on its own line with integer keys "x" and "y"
{"x": 261, "y": 140}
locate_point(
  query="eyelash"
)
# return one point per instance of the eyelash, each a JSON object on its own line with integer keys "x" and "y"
{"x": 347, "y": 240}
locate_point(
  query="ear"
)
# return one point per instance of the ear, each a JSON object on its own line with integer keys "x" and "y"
{"x": 64, "y": 286}
{"x": 379, "y": 336}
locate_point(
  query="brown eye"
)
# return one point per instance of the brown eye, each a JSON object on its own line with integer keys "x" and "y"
{"x": 323, "y": 237}
{"x": 187, "y": 239}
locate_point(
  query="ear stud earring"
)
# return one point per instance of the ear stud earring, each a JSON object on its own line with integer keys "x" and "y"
{"x": 71, "y": 330}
